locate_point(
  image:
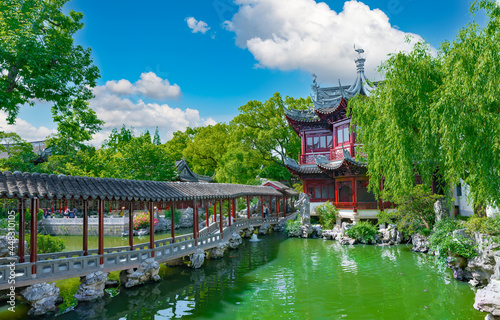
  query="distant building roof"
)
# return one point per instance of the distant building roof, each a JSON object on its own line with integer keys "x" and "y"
{"x": 286, "y": 190}
{"x": 185, "y": 174}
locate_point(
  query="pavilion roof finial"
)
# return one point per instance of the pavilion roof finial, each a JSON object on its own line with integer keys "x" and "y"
{"x": 360, "y": 60}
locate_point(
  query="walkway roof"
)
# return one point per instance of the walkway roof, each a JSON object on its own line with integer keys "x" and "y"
{"x": 29, "y": 185}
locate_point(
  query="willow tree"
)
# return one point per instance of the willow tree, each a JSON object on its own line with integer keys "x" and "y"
{"x": 437, "y": 113}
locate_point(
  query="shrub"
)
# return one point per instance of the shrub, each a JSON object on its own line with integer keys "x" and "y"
{"x": 177, "y": 215}
{"x": 489, "y": 226}
{"x": 445, "y": 243}
{"x": 327, "y": 214}
{"x": 415, "y": 211}
{"x": 141, "y": 221}
{"x": 49, "y": 244}
{"x": 363, "y": 231}
{"x": 292, "y": 226}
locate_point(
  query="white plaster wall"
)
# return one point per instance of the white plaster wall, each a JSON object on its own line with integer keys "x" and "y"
{"x": 313, "y": 205}
{"x": 368, "y": 213}
{"x": 464, "y": 208}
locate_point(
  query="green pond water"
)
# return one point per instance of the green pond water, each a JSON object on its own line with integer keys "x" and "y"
{"x": 279, "y": 278}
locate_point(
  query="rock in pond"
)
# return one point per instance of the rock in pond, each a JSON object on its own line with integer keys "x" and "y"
{"x": 42, "y": 298}
{"x": 147, "y": 271}
{"x": 235, "y": 241}
{"x": 197, "y": 258}
{"x": 488, "y": 298}
{"x": 218, "y": 251}
{"x": 91, "y": 286}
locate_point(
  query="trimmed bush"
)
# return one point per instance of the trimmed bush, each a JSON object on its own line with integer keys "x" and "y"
{"x": 49, "y": 244}
{"x": 328, "y": 214}
{"x": 141, "y": 221}
{"x": 444, "y": 243}
{"x": 363, "y": 231}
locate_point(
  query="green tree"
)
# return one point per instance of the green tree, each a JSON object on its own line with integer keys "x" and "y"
{"x": 438, "y": 113}
{"x": 175, "y": 147}
{"x": 328, "y": 214}
{"x": 41, "y": 62}
{"x": 265, "y": 129}
{"x": 20, "y": 155}
{"x": 415, "y": 210}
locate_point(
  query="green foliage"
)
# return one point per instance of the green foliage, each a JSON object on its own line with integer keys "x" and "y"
{"x": 49, "y": 244}
{"x": 177, "y": 215}
{"x": 363, "y": 231}
{"x": 328, "y": 214}
{"x": 20, "y": 155}
{"x": 297, "y": 187}
{"x": 484, "y": 225}
{"x": 414, "y": 211}
{"x": 41, "y": 62}
{"x": 445, "y": 243}
{"x": 292, "y": 226}
{"x": 432, "y": 110}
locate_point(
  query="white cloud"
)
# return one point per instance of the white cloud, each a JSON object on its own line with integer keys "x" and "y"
{"x": 149, "y": 85}
{"x": 117, "y": 111}
{"x": 306, "y": 35}
{"x": 24, "y": 129}
{"x": 197, "y": 26}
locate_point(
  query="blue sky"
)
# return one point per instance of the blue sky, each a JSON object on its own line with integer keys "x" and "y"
{"x": 161, "y": 68}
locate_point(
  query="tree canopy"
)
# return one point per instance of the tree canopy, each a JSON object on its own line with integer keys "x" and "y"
{"x": 39, "y": 62}
{"x": 437, "y": 114}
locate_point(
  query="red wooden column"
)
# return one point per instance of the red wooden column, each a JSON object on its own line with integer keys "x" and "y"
{"x": 336, "y": 192}
{"x": 85, "y": 209}
{"x": 195, "y": 222}
{"x": 284, "y": 207}
{"x": 100, "y": 227}
{"x": 262, "y": 206}
{"x": 151, "y": 209}
{"x": 215, "y": 210}
{"x": 234, "y": 208}
{"x": 270, "y": 206}
{"x": 229, "y": 215}
{"x": 33, "y": 245}
{"x": 277, "y": 206}
{"x": 221, "y": 222}
{"x": 354, "y": 203}
{"x": 207, "y": 212}
{"x": 131, "y": 225}
{"x": 248, "y": 207}
{"x": 172, "y": 221}
{"x": 22, "y": 224}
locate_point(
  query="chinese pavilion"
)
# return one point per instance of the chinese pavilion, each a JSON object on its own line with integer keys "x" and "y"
{"x": 327, "y": 164}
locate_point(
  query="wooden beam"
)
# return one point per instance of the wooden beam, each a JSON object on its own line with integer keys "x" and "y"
{"x": 33, "y": 234}
{"x": 151, "y": 210}
{"x": 85, "y": 209}
{"x": 22, "y": 225}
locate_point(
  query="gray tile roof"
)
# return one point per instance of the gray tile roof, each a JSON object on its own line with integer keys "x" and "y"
{"x": 30, "y": 185}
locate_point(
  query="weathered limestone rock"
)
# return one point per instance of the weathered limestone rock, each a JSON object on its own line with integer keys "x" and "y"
{"x": 317, "y": 230}
{"x": 248, "y": 232}
{"x": 420, "y": 243}
{"x": 6, "y": 247}
{"x": 303, "y": 206}
{"x": 175, "y": 263}
{"x": 91, "y": 286}
{"x": 235, "y": 241}
{"x": 328, "y": 234}
{"x": 265, "y": 228}
{"x": 488, "y": 298}
{"x": 306, "y": 231}
{"x": 111, "y": 284}
{"x": 391, "y": 235}
{"x": 143, "y": 232}
{"x": 218, "y": 252}
{"x": 197, "y": 258}
{"x": 163, "y": 224}
{"x": 280, "y": 226}
{"x": 457, "y": 264}
{"x": 186, "y": 218}
{"x": 485, "y": 264}
{"x": 347, "y": 240}
{"x": 147, "y": 271}
{"x": 441, "y": 210}
{"x": 42, "y": 297}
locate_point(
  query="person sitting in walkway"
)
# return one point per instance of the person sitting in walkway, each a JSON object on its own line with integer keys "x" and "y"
{"x": 72, "y": 214}
{"x": 266, "y": 211}
{"x": 66, "y": 213}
